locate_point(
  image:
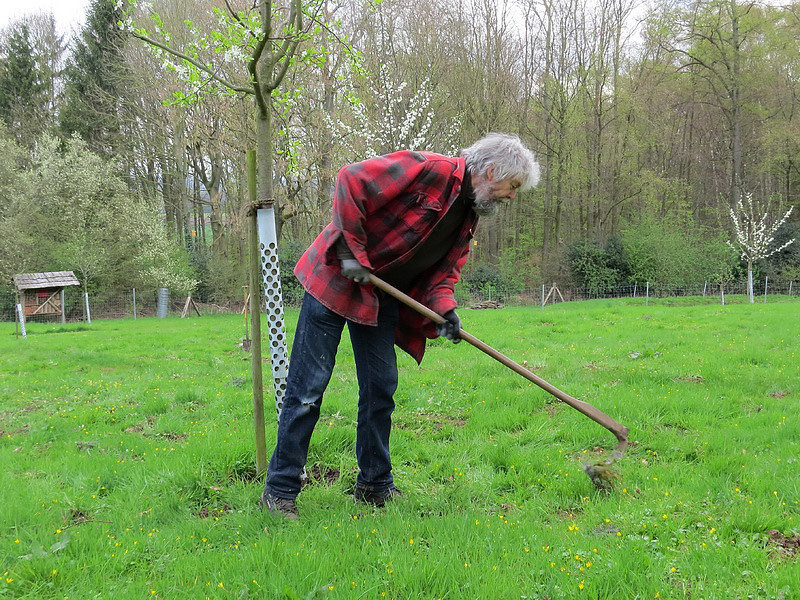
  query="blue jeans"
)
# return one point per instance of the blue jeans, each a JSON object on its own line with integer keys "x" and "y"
{"x": 316, "y": 340}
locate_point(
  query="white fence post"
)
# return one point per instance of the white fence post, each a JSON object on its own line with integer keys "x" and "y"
{"x": 647, "y": 297}
{"x": 542, "y": 296}
{"x": 766, "y": 283}
{"x": 134, "y": 304}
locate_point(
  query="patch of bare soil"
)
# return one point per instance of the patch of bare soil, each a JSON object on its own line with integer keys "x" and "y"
{"x": 779, "y": 395}
{"x": 171, "y": 436}
{"x": 322, "y": 474}
{"x": 438, "y": 421}
{"x": 552, "y": 409}
{"x": 139, "y": 428}
{"x": 787, "y": 547}
{"x": 568, "y": 515}
{"x": 12, "y": 432}
{"x": 692, "y": 379}
{"x": 77, "y": 516}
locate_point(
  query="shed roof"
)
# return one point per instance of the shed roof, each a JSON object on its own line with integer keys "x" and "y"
{"x": 33, "y": 281}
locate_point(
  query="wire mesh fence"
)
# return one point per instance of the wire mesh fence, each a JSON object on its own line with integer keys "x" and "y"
{"x": 145, "y": 303}
{"x": 702, "y": 293}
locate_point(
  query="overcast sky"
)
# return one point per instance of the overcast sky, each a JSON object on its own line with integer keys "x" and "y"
{"x": 69, "y": 14}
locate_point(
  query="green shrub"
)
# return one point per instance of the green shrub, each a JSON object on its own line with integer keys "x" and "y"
{"x": 590, "y": 267}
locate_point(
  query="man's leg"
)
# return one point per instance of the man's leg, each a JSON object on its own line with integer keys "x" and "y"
{"x": 317, "y": 337}
{"x": 376, "y": 367}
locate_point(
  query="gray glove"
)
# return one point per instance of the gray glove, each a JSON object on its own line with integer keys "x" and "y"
{"x": 352, "y": 269}
{"x": 451, "y": 327}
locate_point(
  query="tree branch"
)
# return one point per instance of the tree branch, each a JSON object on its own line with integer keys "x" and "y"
{"x": 287, "y": 51}
{"x": 239, "y": 21}
{"x": 192, "y": 61}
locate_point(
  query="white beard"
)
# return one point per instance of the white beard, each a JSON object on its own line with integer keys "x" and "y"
{"x": 485, "y": 204}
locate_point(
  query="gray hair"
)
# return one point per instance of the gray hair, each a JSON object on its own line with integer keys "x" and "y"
{"x": 511, "y": 159}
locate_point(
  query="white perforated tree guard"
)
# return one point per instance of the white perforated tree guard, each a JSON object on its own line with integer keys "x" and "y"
{"x": 273, "y": 301}
{"x": 21, "y": 317}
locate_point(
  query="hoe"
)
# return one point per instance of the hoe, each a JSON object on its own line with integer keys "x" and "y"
{"x": 601, "y": 473}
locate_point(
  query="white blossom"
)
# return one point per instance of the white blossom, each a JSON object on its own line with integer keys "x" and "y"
{"x": 754, "y": 232}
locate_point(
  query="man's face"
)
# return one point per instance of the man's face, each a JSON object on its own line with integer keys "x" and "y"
{"x": 491, "y": 194}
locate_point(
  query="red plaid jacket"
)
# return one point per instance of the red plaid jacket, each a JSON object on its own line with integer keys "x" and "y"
{"x": 384, "y": 207}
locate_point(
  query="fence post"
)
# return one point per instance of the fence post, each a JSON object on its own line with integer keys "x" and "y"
{"x": 63, "y": 308}
{"x": 21, "y": 316}
{"x": 790, "y": 287}
{"x": 647, "y": 297}
{"x": 722, "y": 292}
{"x": 542, "y": 296}
{"x": 134, "y": 304}
{"x": 766, "y": 283}
{"x": 705, "y": 286}
{"x": 634, "y": 290}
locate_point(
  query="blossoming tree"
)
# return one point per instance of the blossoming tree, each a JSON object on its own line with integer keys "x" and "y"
{"x": 755, "y": 232}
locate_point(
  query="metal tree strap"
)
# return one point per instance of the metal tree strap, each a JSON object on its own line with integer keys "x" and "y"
{"x": 273, "y": 300}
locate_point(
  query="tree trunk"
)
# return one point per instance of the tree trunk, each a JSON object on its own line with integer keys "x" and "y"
{"x": 737, "y": 177}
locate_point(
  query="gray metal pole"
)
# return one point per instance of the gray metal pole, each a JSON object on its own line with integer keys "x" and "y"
{"x": 766, "y": 283}
{"x": 705, "y": 286}
{"x": 542, "y": 296}
{"x": 647, "y": 296}
{"x": 63, "y": 308}
{"x": 790, "y": 287}
{"x": 134, "y": 304}
{"x": 634, "y": 290}
{"x": 21, "y": 316}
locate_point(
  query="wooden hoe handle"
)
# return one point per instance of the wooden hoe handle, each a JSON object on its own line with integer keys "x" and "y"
{"x": 599, "y": 417}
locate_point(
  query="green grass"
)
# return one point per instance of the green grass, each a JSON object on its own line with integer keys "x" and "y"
{"x": 127, "y": 461}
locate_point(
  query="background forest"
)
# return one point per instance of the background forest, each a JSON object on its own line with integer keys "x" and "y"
{"x": 125, "y": 163}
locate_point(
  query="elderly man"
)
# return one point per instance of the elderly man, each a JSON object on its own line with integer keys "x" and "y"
{"x": 408, "y": 217}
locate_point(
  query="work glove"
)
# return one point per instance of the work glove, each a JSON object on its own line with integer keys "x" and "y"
{"x": 451, "y": 327}
{"x": 352, "y": 269}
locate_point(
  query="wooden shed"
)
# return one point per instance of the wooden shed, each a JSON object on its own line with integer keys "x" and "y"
{"x": 43, "y": 293}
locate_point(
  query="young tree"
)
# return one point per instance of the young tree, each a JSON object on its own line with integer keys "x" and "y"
{"x": 755, "y": 232}
{"x": 264, "y": 40}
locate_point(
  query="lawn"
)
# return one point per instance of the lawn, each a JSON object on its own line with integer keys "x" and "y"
{"x": 127, "y": 463}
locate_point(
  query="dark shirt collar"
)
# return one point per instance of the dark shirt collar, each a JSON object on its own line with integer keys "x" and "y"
{"x": 467, "y": 192}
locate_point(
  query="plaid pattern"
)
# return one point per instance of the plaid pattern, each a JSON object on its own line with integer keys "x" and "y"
{"x": 384, "y": 207}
